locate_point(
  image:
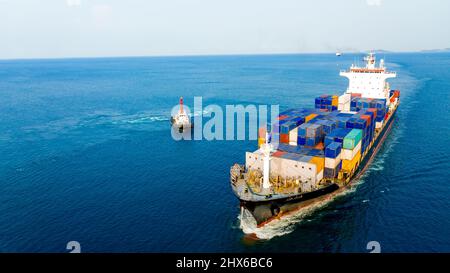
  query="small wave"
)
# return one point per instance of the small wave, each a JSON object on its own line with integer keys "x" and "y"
{"x": 62, "y": 126}
{"x": 377, "y": 165}
{"x": 201, "y": 113}
{"x": 135, "y": 119}
{"x": 145, "y": 119}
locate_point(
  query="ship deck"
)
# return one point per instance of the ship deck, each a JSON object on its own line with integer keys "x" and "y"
{"x": 245, "y": 193}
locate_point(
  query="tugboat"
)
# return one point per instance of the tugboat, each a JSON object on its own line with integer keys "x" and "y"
{"x": 181, "y": 120}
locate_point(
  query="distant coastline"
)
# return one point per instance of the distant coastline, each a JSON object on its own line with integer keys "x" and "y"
{"x": 378, "y": 51}
{"x": 443, "y": 50}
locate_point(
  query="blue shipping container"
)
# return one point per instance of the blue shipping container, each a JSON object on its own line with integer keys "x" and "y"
{"x": 301, "y": 140}
{"x": 333, "y": 149}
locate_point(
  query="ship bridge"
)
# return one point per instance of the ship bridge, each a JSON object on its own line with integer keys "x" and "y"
{"x": 369, "y": 81}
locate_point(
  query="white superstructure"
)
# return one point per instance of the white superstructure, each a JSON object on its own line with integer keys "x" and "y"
{"x": 369, "y": 81}
{"x": 266, "y": 149}
{"x": 181, "y": 119}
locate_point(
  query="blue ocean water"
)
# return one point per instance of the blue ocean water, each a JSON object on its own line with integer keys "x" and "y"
{"x": 86, "y": 154}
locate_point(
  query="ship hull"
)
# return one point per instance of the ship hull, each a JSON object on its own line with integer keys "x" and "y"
{"x": 180, "y": 127}
{"x": 271, "y": 209}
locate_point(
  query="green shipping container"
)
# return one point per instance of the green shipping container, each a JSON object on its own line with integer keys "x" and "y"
{"x": 352, "y": 139}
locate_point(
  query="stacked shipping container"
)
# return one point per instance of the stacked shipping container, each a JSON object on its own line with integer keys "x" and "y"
{"x": 328, "y": 102}
{"x": 333, "y": 161}
{"x": 330, "y": 140}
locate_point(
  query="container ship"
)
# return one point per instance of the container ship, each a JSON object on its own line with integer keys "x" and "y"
{"x": 308, "y": 155}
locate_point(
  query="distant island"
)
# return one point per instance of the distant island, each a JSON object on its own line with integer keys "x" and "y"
{"x": 382, "y": 51}
{"x": 436, "y": 50}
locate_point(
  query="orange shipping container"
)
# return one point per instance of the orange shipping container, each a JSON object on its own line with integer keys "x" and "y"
{"x": 284, "y": 138}
{"x": 310, "y": 117}
{"x": 319, "y": 162}
{"x": 319, "y": 146}
{"x": 261, "y": 141}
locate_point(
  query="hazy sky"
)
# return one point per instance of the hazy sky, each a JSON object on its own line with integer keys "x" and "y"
{"x": 84, "y": 28}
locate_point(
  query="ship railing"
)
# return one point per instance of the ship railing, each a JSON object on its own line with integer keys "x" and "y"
{"x": 368, "y": 71}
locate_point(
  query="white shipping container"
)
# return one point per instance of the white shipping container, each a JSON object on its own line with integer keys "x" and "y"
{"x": 332, "y": 162}
{"x": 293, "y": 136}
{"x": 347, "y": 107}
{"x": 348, "y": 154}
{"x": 344, "y": 106}
{"x": 345, "y": 98}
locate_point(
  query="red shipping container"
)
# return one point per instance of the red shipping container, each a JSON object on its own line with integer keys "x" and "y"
{"x": 284, "y": 138}
{"x": 278, "y": 153}
{"x": 356, "y": 95}
{"x": 319, "y": 146}
{"x": 373, "y": 110}
{"x": 262, "y": 132}
{"x": 366, "y": 117}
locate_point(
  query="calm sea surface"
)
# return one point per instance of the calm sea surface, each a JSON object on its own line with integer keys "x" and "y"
{"x": 86, "y": 154}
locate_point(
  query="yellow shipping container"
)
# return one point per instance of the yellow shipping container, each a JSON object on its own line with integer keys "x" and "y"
{"x": 348, "y": 165}
{"x": 335, "y": 100}
{"x": 310, "y": 117}
{"x": 261, "y": 141}
{"x": 319, "y": 162}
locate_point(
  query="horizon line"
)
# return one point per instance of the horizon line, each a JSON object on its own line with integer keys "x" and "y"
{"x": 220, "y": 54}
